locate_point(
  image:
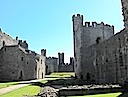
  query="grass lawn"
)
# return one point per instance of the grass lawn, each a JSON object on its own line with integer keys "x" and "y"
{"x": 33, "y": 90}
{"x": 100, "y": 95}
{"x": 7, "y": 84}
{"x": 61, "y": 75}
{"x": 28, "y": 90}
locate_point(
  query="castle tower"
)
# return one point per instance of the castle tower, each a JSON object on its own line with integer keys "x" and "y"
{"x": 43, "y": 52}
{"x": 77, "y": 30}
{"x": 60, "y": 58}
{"x": 125, "y": 12}
{"x": 77, "y": 22}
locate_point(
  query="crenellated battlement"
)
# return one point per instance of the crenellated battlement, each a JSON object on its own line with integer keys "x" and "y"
{"x": 77, "y": 20}
{"x": 23, "y": 44}
{"x": 78, "y": 24}
{"x": 95, "y": 24}
{"x": 52, "y": 57}
{"x": 78, "y": 16}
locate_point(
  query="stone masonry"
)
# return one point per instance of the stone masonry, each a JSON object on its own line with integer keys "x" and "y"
{"x": 54, "y": 64}
{"x": 17, "y": 62}
{"x": 85, "y": 36}
{"x": 99, "y": 54}
{"x": 51, "y": 65}
{"x": 125, "y": 12}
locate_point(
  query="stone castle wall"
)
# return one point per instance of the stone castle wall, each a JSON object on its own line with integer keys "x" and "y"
{"x": 17, "y": 62}
{"x": 41, "y": 62}
{"x": 6, "y": 40}
{"x": 51, "y": 65}
{"x": 85, "y": 36}
{"x": 99, "y": 54}
{"x": 112, "y": 60}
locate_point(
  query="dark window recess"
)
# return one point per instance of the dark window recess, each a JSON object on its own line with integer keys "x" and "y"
{"x": 88, "y": 76}
{"x": 121, "y": 60}
{"x": 37, "y": 59}
{"x": 21, "y": 58}
{"x": 3, "y": 43}
{"x": 126, "y": 67}
{"x": 41, "y": 61}
{"x": 98, "y": 40}
{"x": 27, "y": 62}
{"x": 127, "y": 39}
{"x": 106, "y": 60}
{"x": 5, "y": 49}
{"x": 12, "y": 72}
{"x": 81, "y": 76}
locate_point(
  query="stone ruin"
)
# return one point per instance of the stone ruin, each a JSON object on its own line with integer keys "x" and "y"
{"x": 45, "y": 92}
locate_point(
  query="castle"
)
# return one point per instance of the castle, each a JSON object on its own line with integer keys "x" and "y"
{"x": 17, "y": 62}
{"x": 99, "y": 55}
{"x": 54, "y": 64}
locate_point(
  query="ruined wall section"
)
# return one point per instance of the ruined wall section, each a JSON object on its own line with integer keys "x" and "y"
{"x": 51, "y": 65}
{"x": 66, "y": 67}
{"x": 112, "y": 60}
{"x": 30, "y": 66}
{"x": 41, "y": 62}
{"x": 86, "y": 35}
{"x": 96, "y": 33}
{"x": 6, "y": 40}
{"x": 18, "y": 64}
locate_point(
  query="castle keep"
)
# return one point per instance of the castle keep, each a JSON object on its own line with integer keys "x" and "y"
{"x": 100, "y": 55}
{"x": 17, "y": 62}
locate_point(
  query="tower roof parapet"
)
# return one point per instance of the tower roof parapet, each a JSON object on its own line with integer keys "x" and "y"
{"x": 77, "y": 16}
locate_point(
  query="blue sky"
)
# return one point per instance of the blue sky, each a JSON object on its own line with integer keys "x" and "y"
{"x": 48, "y": 23}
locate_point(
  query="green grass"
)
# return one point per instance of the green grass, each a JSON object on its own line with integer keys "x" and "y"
{"x": 43, "y": 81}
{"x": 55, "y": 76}
{"x": 61, "y": 75}
{"x": 28, "y": 90}
{"x": 7, "y": 84}
{"x": 34, "y": 90}
{"x": 100, "y": 95}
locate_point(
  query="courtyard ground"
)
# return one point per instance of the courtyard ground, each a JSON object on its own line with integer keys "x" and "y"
{"x": 28, "y": 88}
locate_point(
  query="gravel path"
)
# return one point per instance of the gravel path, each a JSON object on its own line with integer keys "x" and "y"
{"x": 11, "y": 88}
{"x": 14, "y": 87}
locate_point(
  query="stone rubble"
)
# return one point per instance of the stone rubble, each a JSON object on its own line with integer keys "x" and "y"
{"x": 46, "y": 92}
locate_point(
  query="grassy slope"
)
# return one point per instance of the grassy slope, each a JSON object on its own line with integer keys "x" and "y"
{"x": 28, "y": 90}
